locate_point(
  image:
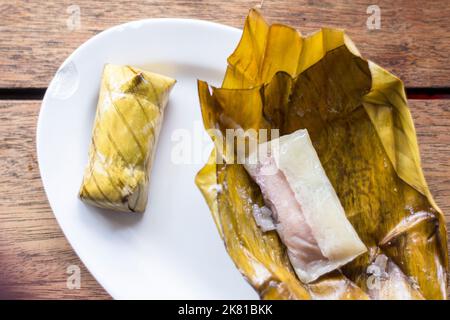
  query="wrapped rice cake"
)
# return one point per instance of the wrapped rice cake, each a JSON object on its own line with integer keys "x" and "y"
{"x": 129, "y": 114}
{"x": 358, "y": 118}
{"x": 304, "y": 207}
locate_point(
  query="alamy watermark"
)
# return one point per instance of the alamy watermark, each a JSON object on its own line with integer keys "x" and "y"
{"x": 234, "y": 146}
{"x": 74, "y": 277}
{"x": 374, "y": 20}
{"x": 73, "y": 22}
{"x": 377, "y": 272}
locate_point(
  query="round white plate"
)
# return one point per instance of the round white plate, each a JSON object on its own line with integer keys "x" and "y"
{"x": 173, "y": 250}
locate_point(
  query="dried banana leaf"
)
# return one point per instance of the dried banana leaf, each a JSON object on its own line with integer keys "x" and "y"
{"x": 358, "y": 119}
{"x": 129, "y": 114}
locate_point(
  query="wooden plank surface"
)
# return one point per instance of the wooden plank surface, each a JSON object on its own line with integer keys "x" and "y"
{"x": 413, "y": 42}
{"x": 34, "y": 254}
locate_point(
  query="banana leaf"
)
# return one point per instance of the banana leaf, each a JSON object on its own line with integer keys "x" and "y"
{"x": 358, "y": 119}
{"x": 129, "y": 114}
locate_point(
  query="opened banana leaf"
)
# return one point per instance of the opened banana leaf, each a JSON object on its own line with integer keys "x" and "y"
{"x": 358, "y": 119}
{"x": 129, "y": 115}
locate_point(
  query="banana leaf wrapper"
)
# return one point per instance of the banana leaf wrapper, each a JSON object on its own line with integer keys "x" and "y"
{"x": 358, "y": 119}
{"x": 129, "y": 114}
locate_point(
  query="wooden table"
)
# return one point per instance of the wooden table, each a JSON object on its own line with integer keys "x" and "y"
{"x": 413, "y": 43}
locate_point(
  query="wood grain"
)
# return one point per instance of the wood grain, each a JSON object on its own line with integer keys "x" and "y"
{"x": 34, "y": 254}
{"x": 413, "y": 42}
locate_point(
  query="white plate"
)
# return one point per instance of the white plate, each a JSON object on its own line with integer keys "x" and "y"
{"x": 173, "y": 250}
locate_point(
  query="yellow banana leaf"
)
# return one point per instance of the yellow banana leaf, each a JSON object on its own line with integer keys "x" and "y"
{"x": 129, "y": 114}
{"x": 358, "y": 119}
